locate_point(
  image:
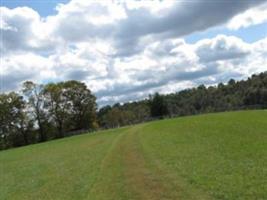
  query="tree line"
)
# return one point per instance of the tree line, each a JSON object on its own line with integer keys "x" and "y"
{"x": 235, "y": 95}
{"x": 44, "y": 112}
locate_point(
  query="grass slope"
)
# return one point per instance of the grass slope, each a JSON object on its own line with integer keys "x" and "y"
{"x": 214, "y": 156}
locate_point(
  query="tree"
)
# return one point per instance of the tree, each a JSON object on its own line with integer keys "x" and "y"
{"x": 35, "y": 95}
{"x": 14, "y": 122}
{"x": 158, "y": 106}
{"x": 102, "y": 116}
{"x": 83, "y": 103}
{"x": 25, "y": 126}
{"x": 71, "y": 105}
{"x": 58, "y": 106}
{"x": 114, "y": 117}
{"x": 141, "y": 112}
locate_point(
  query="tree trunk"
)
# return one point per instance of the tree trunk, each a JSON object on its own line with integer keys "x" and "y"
{"x": 25, "y": 137}
{"x": 60, "y": 130}
{"x": 42, "y": 135}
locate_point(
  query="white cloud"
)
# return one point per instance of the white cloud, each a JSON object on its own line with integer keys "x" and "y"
{"x": 124, "y": 51}
{"x": 166, "y": 67}
{"x": 174, "y": 65}
{"x": 253, "y": 16}
{"x": 221, "y": 48}
{"x": 22, "y": 29}
{"x": 95, "y": 12}
{"x": 20, "y": 67}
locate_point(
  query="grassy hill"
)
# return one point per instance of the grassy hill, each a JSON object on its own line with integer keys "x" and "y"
{"x": 213, "y": 156}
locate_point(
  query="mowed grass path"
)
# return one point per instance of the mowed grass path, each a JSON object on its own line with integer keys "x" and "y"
{"x": 213, "y": 156}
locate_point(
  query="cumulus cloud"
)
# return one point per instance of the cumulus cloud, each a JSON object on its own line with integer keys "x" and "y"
{"x": 20, "y": 67}
{"x": 250, "y": 17}
{"x": 165, "y": 66}
{"x": 22, "y": 29}
{"x": 181, "y": 19}
{"x": 124, "y": 51}
{"x": 128, "y": 26}
{"x": 221, "y": 48}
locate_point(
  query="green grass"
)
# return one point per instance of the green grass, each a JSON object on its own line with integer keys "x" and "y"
{"x": 213, "y": 156}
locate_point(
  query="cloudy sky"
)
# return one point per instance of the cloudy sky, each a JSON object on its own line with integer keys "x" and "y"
{"x": 126, "y": 50}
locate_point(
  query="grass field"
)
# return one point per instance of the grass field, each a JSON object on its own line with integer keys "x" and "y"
{"x": 213, "y": 156}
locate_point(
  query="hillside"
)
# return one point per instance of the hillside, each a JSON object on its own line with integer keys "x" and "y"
{"x": 212, "y": 156}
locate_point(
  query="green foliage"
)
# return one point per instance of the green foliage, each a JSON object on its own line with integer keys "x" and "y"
{"x": 56, "y": 110}
{"x": 83, "y": 104}
{"x": 14, "y": 122}
{"x": 45, "y": 112}
{"x": 35, "y": 96}
{"x": 126, "y": 114}
{"x": 235, "y": 95}
{"x": 158, "y": 106}
{"x": 71, "y": 106}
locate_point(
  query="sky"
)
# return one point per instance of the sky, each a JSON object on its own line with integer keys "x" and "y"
{"x": 126, "y": 50}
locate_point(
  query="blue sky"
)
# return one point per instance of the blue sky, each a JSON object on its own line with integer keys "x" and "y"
{"x": 250, "y": 34}
{"x": 43, "y": 7}
{"x": 125, "y": 51}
